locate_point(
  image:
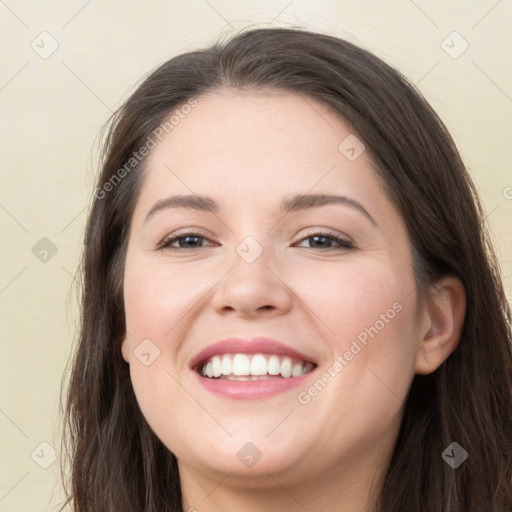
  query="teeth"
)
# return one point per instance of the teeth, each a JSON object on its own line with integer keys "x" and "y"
{"x": 296, "y": 370}
{"x": 308, "y": 367}
{"x": 274, "y": 365}
{"x": 216, "y": 366}
{"x": 286, "y": 368}
{"x": 258, "y": 365}
{"x": 227, "y": 365}
{"x": 254, "y": 367}
{"x": 241, "y": 365}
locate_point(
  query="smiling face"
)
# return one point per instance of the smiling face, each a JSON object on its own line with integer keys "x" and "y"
{"x": 260, "y": 262}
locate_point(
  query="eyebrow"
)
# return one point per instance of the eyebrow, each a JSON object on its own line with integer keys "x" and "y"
{"x": 296, "y": 203}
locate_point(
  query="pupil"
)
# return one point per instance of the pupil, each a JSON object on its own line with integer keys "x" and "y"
{"x": 315, "y": 238}
{"x": 186, "y": 239}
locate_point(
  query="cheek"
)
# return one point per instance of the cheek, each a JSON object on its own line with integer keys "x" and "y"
{"x": 159, "y": 306}
{"x": 367, "y": 315}
{"x": 370, "y": 314}
{"x": 350, "y": 297}
{"x": 157, "y": 299}
{"x": 154, "y": 306}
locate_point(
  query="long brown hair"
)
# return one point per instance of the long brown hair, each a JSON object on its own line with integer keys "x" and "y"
{"x": 118, "y": 463}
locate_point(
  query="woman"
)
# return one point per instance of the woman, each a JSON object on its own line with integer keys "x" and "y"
{"x": 290, "y": 299}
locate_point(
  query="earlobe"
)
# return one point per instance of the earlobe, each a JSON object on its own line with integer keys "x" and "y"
{"x": 446, "y": 310}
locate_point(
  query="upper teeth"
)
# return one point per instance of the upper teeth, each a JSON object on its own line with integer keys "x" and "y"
{"x": 257, "y": 364}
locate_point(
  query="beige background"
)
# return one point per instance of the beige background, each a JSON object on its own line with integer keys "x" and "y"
{"x": 52, "y": 111}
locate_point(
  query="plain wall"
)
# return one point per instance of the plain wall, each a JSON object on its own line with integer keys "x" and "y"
{"x": 53, "y": 107}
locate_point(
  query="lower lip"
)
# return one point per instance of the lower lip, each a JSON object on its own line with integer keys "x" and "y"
{"x": 250, "y": 389}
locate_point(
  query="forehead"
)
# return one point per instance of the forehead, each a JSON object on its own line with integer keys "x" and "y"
{"x": 252, "y": 145}
{"x": 263, "y": 123}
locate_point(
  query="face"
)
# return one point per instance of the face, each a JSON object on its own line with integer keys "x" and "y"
{"x": 330, "y": 280}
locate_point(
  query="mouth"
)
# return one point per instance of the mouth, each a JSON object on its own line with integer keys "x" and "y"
{"x": 244, "y": 367}
{"x": 250, "y": 368}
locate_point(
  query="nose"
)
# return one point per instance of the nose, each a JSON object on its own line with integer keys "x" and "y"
{"x": 255, "y": 288}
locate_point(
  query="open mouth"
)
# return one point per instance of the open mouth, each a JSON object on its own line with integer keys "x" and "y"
{"x": 249, "y": 367}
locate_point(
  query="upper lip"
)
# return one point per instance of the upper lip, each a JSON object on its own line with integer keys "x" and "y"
{"x": 247, "y": 346}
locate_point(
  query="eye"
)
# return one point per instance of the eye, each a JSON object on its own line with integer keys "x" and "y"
{"x": 193, "y": 241}
{"x": 328, "y": 237}
{"x": 184, "y": 240}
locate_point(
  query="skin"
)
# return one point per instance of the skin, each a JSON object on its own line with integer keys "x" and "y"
{"x": 249, "y": 150}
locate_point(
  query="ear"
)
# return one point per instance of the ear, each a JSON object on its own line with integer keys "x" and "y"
{"x": 444, "y": 318}
{"x": 125, "y": 349}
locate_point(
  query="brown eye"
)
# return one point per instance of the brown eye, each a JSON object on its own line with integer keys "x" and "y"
{"x": 185, "y": 241}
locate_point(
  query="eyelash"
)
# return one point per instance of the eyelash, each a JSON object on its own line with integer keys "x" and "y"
{"x": 345, "y": 244}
